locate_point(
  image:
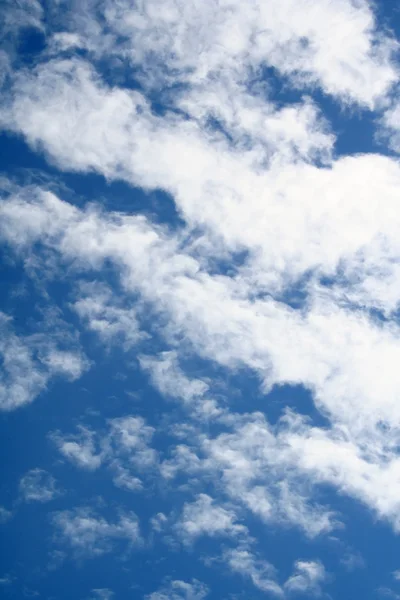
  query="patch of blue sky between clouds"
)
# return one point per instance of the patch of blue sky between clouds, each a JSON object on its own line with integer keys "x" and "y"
{"x": 200, "y": 270}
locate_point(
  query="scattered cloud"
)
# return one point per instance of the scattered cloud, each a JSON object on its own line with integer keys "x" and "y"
{"x": 102, "y": 594}
{"x": 278, "y": 264}
{"x": 37, "y": 485}
{"x": 352, "y": 560}
{"x": 28, "y": 364}
{"x": 5, "y": 515}
{"x": 206, "y": 517}
{"x": 88, "y": 534}
{"x": 79, "y": 448}
{"x": 306, "y": 579}
{"x": 262, "y": 574}
{"x": 124, "y": 448}
{"x": 180, "y": 590}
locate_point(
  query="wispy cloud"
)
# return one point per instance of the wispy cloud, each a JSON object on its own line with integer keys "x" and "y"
{"x": 124, "y": 447}
{"x": 306, "y": 579}
{"x": 283, "y": 269}
{"x": 180, "y": 590}
{"x": 37, "y": 485}
{"x": 205, "y": 517}
{"x": 30, "y": 362}
{"x": 5, "y": 515}
{"x": 88, "y": 534}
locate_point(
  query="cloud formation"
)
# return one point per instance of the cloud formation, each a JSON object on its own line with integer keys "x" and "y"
{"x": 269, "y": 268}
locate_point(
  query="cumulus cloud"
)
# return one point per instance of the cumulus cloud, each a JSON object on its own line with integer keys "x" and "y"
{"x": 37, "y": 485}
{"x": 262, "y": 574}
{"x": 254, "y": 466}
{"x": 206, "y": 517}
{"x": 307, "y": 578}
{"x": 334, "y": 44}
{"x": 169, "y": 378}
{"x": 180, "y": 590}
{"x": 124, "y": 448}
{"x": 79, "y": 448}
{"x": 30, "y": 362}
{"x": 326, "y": 346}
{"x": 88, "y": 534}
{"x": 113, "y": 324}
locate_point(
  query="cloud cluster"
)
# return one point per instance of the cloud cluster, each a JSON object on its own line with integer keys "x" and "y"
{"x": 124, "y": 448}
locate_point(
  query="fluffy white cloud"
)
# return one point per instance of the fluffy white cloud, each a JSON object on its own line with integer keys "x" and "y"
{"x": 114, "y": 324}
{"x": 205, "y": 517}
{"x": 89, "y": 534}
{"x": 169, "y": 378}
{"x": 80, "y": 448}
{"x": 37, "y": 485}
{"x": 346, "y": 359}
{"x": 30, "y": 362}
{"x": 307, "y": 578}
{"x": 124, "y": 448}
{"x": 262, "y": 573}
{"x": 312, "y": 242}
{"x": 254, "y": 467}
{"x": 180, "y": 590}
{"x": 390, "y": 127}
{"x": 333, "y": 44}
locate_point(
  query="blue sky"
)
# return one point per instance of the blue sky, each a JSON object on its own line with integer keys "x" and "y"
{"x": 199, "y": 308}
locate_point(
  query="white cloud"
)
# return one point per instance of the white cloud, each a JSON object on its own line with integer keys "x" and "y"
{"x": 168, "y": 377}
{"x": 30, "y": 362}
{"x": 332, "y": 44}
{"x": 131, "y": 437}
{"x": 89, "y": 534}
{"x": 206, "y": 517}
{"x": 252, "y": 465}
{"x": 390, "y": 127}
{"x": 124, "y": 448}
{"x": 113, "y": 324}
{"x": 352, "y": 560}
{"x": 180, "y": 590}
{"x": 331, "y": 232}
{"x": 102, "y": 594}
{"x": 307, "y": 578}
{"x": 5, "y": 515}
{"x": 80, "y": 448}
{"x": 123, "y": 478}
{"x": 340, "y": 355}
{"x": 387, "y": 593}
{"x": 37, "y": 485}
{"x": 158, "y": 522}
{"x": 20, "y": 15}
{"x": 262, "y": 573}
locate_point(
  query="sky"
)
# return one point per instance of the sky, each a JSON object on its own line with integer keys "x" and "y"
{"x": 200, "y": 300}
